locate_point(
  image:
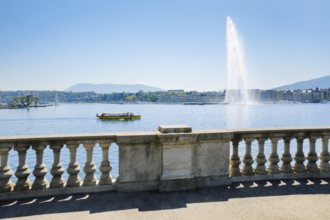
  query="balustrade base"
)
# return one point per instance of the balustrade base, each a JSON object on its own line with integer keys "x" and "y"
{"x": 137, "y": 186}
{"x": 210, "y": 181}
{"x": 177, "y": 184}
{"x": 282, "y": 176}
{"x": 56, "y": 192}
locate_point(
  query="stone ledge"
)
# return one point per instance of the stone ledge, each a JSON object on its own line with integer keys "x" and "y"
{"x": 56, "y": 192}
{"x": 211, "y": 181}
{"x": 174, "y": 129}
{"x": 177, "y": 184}
{"x": 281, "y": 176}
{"x": 137, "y": 186}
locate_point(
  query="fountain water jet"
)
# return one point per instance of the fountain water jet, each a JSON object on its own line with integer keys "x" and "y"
{"x": 236, "y": 91}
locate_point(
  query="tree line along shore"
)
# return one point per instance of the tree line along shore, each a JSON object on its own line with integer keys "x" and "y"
{"x": 24, "y": 99}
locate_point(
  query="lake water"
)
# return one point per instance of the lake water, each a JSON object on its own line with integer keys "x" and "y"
{"x": 80, "y": 118}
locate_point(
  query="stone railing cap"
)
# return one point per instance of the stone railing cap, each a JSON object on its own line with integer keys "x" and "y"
{"x": 174, "y": 128}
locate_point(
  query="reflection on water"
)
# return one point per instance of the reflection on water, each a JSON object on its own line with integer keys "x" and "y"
{"x": 237, "y": 116}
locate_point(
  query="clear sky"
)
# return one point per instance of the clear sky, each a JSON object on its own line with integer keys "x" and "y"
{"x": 171, "y": 44}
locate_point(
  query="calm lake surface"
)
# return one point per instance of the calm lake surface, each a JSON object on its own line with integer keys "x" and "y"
{"x": 80, "y": 119}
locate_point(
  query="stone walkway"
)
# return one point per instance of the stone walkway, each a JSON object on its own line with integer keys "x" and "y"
{"x": 264, "y": 200}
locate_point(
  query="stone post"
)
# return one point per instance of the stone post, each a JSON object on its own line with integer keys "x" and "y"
{"x": 299, "y": 166}
{"x": 22, "y": 173}
{"x": 261, "y": 159}
{"x": 5, "y": 171}
{"x": 40, "y": 169}
{"x": 210, "y": 159}
{"x": 235, "y": 160}
{"x": 105, "y": 167}
{"x": 139, "y": 161}
{"x": 73, "y": 168}
{"x": 248, "y": 160}
{"x": 90, "y": 167}
{"x": 312, "y": 156}
{"x": 178, "y": 144}
{"x": 57, "y": 168}
{"x": 286, "y": 157}
{"x": 193, "y": 159}
{"x": 274, "y": 158}
{"x": 325, "y": 156}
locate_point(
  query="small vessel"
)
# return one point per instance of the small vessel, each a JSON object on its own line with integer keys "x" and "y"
{"x": 118, "y": 116}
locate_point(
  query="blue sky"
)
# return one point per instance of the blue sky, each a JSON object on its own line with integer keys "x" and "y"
{"x": 171, "y": 44}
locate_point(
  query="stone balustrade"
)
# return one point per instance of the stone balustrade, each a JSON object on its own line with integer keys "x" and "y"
{"x": 171, "y": 158}
{"x": 57, "y": 185}
{"x": 285, "y": 161}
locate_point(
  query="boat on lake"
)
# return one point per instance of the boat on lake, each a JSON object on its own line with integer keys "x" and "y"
{"x": 118, "y": 116}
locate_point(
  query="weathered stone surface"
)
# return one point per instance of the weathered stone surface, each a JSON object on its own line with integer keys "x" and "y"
{"x": 177, "y": 184}
{"x": 132, "y": 138}
{"x": 139, "y": 163}
{"x": 211, "y": 159}
{"x": 165, "y": 161}
{"x": 177, "y": 161}
{"x": 174, "y": 128}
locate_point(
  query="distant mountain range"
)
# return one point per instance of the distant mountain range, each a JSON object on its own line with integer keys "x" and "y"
{"x": 322, "y": 83}
{"x": 111, "y": 88}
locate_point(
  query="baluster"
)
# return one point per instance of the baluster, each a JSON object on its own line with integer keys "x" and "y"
{"x": 325, "y": 156}
{"x": 248, "y": 160}
{"x": 105, "y": 167}
{"x": 22, "y": 173}
{"x": 57, "y": 168}
{"x": 299, "y": 166}
{"x": 40, "y": 169}
{"x": 5, "y": 171}
{"x": 286, "y": 157}
{"x": 274, "y": 158}
{"x": 235, "y": 160}
{"x": 312, "y": 156}
{"x": 90, "y": 167}
{"x": 261, "y": 159}
{"x": 73, "y": 168}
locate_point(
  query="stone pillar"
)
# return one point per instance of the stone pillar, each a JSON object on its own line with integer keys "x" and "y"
{"x": 261, "y": 159}
{"x": 312, "y": 156}
{"x": 299, "y": 166}
{"x": 248, "y": 160}
{"x": 178, "y": 150}
{"x": 73, "y": 168}
{"x": 139, "y": 161}
{"x": 325, "y": 156}
{"x": 40, "y": 169}
{"x": 235, "y": 160}
{"x": 286, "y": 157}
{"x": 5, "y": 171}
{"x": 274, "y": 158}
{"x": 193, "y": 159}
{"x": 57, "y": 168}
{"x": 22, "y": 173}
{"x": 105, "y": 167}
{"x": 210, "y": 158}
{"x": 90, "y": 167}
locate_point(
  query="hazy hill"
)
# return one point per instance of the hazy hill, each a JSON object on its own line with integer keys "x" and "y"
{"x": 322, "y": 83}
{"x": 111, "y": 88}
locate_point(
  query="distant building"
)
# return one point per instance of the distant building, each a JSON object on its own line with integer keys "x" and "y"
{"x": 175, "y": 90}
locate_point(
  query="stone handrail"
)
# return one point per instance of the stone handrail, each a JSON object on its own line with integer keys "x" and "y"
{"x": 171, "y": 158}
{"x": 284, "y": 164}
{"x": 57, "y": 185}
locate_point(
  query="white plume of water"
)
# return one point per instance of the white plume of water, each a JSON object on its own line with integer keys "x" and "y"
{"x": 236, "y": 91}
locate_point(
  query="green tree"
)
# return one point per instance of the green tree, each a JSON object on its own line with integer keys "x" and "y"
{"x": 29, "y": 99}
{"x": 16, "y": 99}
{"x": 35, "y": 100}
{"x": 131, "y": 98}
{"x": 23, "y": 100}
